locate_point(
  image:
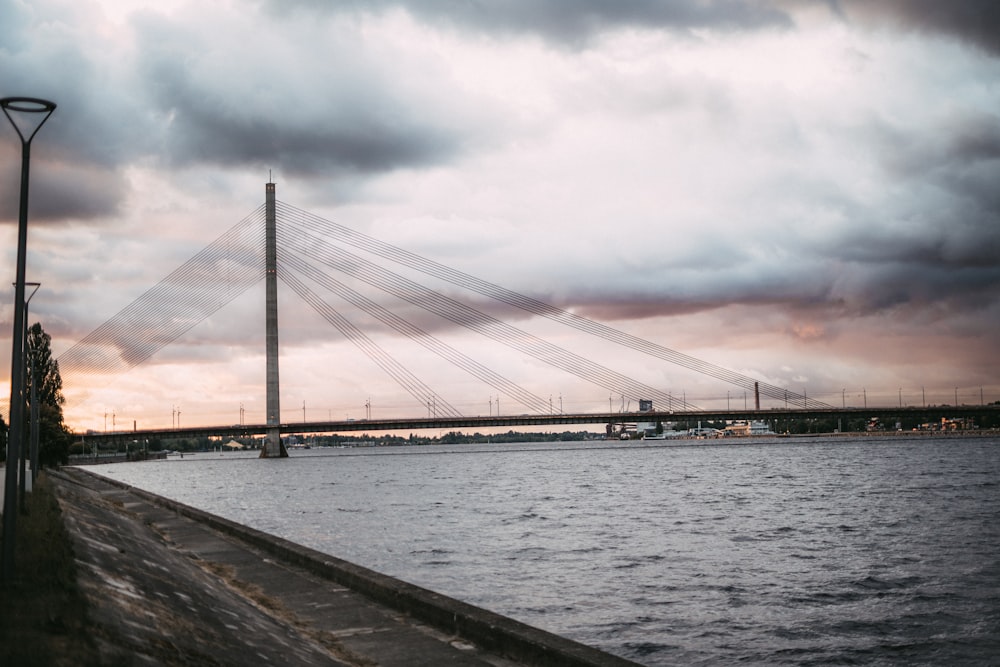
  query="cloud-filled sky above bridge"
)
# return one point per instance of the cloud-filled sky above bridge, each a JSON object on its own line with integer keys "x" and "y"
{"x": 805, "y": 192}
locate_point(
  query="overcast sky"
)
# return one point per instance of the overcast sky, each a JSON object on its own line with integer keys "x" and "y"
{"x": 806, "y": 192}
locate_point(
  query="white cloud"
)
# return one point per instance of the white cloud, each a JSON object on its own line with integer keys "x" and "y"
{"x": 801, "y": 189}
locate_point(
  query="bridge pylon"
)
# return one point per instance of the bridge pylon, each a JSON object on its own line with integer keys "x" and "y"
{"x": 273, "y": 447}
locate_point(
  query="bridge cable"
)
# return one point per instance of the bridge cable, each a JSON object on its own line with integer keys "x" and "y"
{"x": 183, "y": 299}
{"x": 420, "y": 391}
{"x": 529, "y": 304}
{"x": 484, "y": 324}
{"x": 339, "y": 259}
{"x": 175, "y": 305}
{"x": 416, "y": 334}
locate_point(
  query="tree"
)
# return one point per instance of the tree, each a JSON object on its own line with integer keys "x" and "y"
{"x": 53, "y": 436}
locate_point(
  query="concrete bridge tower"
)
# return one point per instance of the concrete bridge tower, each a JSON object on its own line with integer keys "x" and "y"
{"x": 272, "y": 442}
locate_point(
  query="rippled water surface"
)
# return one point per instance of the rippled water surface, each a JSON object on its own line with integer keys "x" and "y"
{"x": 877, "y": 551}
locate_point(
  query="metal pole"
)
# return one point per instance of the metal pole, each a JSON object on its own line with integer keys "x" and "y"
{"x": 34, "y": 423}
{"x": 23, "y": 458}
{"x": 29, "y": 105}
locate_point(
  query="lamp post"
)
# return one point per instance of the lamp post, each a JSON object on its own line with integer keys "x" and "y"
{"x": 24, "y": 108}
{"x": 22, "y": 476}
{"x": 34, "y": 422}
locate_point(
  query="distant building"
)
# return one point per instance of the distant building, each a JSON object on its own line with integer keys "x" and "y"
{"x": 741, "y": 428}
{"x": 643, "y": 429}
{"x": 950, "y": 424}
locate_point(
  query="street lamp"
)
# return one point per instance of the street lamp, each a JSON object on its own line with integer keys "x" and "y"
{"x": 33, "y": 431}
{"x": 25, "y": 109}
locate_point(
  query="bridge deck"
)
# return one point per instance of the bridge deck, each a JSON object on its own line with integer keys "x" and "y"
{"x": 930, "y": 413}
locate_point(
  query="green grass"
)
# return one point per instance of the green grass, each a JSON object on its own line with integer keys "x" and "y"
{"x": 42, "y": 615}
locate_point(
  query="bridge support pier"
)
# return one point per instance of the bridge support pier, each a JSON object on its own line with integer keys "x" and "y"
{"x": 273, "y": 448}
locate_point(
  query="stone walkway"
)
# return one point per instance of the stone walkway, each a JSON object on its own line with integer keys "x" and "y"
{"x": 170, "y": 585}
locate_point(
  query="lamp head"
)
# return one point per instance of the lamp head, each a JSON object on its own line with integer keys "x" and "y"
{"x": 30, "y": 107}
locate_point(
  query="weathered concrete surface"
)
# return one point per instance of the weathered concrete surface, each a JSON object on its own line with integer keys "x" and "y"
{"x": 168, "y": 584}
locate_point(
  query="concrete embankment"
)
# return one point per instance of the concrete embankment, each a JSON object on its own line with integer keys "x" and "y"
{"x": 168, "y": 584}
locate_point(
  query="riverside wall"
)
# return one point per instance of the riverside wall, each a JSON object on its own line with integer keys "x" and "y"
{"x": 146, "y": 545}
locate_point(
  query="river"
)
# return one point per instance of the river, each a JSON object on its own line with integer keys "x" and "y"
{"x": 819, "y": 551}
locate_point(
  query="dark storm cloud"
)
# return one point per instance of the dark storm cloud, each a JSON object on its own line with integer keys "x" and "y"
{"x": 73, "y": 174}
{"x": 926, "y": 239}
{"x": 200, "y": 134}
{"x": 571, "y": 23}
{"x": 973, "y": 21}
{"x": 166, "y": 105}
{"x": 42, "y": 59}
{"x": 575, "y": 23}
{"x": 335, "y": 114}
{"x": 977, "y": 139}
{"x": 931, "y": 292}
{"x": 861, "y": 282}
{"x": 950, "y": 217}
{"x": 930, "y": 252}
{"x": 61, "y": 191}
{"x": 94, "y": 131}
{"x": 962, "y": 142}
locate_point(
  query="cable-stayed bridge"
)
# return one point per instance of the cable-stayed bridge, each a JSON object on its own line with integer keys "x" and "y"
{"x": 321, "y": 261}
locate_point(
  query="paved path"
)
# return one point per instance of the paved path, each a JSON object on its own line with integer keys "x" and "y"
{"x": 166, "y": 588}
